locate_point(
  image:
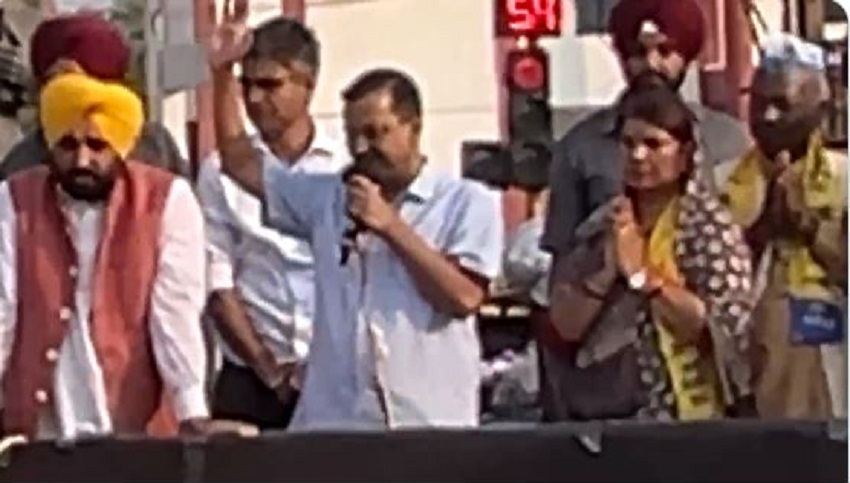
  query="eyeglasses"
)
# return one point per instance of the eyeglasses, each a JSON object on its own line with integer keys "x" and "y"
{"x": 70, "y": 143}
{"x": 266, "y": 84}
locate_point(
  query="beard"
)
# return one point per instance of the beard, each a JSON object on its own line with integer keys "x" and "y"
{"x": 773, "y": 137}
{"x": 653, "y": 78}
{"x": 373, "y": 165}
{"x": 676, "y": 82}
{"x": 85, "y": 185}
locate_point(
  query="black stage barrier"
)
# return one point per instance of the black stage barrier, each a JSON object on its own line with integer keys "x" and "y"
{"x": 731, "y": 451}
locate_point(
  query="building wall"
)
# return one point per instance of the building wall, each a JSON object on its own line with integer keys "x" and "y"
{"x": 22, "y": 17}
{"x": 446, "y": 45}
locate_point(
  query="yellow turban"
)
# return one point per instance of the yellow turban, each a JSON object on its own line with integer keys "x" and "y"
{"x": 70, "y": 99}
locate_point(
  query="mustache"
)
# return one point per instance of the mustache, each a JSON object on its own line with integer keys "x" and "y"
{"x": 368, "y": 164}
{"x": 77, "y": 173}
{"x": 84, "y": 184}
{"x": 369, "y": 156}
{"x": 651, "y": 78}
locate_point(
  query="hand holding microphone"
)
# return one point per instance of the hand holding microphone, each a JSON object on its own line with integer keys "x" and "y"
{"x": 368, "y": 210}
{"x": 367, "y": 205}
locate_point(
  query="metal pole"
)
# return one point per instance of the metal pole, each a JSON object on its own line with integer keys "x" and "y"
{"x": 153, "y": 46}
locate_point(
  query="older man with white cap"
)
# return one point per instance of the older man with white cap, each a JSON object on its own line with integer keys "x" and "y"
{"x": 790, "y": 193}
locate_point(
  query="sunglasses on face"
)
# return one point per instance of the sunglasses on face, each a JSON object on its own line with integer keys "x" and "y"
{"x": 70, "y": 143}
{"x": 266, "y": 84}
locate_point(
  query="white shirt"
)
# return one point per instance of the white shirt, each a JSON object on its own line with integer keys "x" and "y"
{"x": 376, "y": 340}
{"x": 272, "y": 272}
{"x": 179, "y": 293}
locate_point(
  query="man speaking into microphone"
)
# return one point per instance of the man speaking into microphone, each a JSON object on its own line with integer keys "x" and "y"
{"x": 394, "y": 339}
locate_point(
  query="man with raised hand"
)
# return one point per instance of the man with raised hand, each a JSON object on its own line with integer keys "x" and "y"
{"x": 403, "y": 255}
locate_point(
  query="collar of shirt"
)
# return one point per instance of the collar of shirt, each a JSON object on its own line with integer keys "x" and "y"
{"x": 609, "y": 120}
{"x": 423, "y": 186}
{"x": 322, "y": 144}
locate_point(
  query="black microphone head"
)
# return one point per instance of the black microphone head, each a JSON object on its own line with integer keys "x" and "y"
{"x": 349, "y": 172}
{"x": 356, "y": 225}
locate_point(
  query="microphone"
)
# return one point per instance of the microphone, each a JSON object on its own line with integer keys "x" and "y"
{"x": 349, "y": 236}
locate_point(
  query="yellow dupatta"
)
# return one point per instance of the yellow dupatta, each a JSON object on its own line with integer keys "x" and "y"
{"x": 692, "y": 375}
{"x": 822, "y": 193}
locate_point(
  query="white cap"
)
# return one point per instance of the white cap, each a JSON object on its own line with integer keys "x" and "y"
{"x": 783, "y": 50}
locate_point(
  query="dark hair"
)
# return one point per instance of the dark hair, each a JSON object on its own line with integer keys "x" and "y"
{"x": 659, "y": 105}
{"x": 407, "y": 103}
{"x": 285, "y": 40}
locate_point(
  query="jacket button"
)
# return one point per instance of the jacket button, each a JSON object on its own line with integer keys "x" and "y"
{"x": 52, "y": 355}
{"x": 65, "y": 314}
{"x": 41, "y": 396}
{"x": 72, "y": 271}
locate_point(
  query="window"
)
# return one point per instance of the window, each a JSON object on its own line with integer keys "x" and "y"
{"x": 592, "y": 16}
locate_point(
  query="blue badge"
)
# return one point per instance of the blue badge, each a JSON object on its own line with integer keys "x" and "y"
{"x": 815, "y": 322}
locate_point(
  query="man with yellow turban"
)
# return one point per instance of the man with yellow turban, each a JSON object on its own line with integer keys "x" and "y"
{"x": 88, "y": 43}
{"x": 790, "y": 194}
{"x": 101, "y": 280}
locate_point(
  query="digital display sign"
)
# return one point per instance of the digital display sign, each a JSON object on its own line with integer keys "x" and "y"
{"x": 528, "y": 18}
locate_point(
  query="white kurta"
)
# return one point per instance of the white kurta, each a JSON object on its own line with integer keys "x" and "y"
{"x": 80, "y": 405}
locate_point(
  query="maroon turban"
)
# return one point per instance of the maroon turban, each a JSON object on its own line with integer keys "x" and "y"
{"x": 680, "y": 20}
{"x": 88, "y": 39}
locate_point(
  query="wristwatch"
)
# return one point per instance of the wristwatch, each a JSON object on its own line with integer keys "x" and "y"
{"x": 638, "y": 280}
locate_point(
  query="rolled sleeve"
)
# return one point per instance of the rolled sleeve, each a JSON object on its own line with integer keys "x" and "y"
{"x": 219, "y": 271}
{"x": 220, "y": 233}
{"x": 566, "y": 200}
{"x": 477, "y": 238}
{"x": 178, "y": 297}
{"x": 190, "y": 403}
{"x": 296, "y": 201}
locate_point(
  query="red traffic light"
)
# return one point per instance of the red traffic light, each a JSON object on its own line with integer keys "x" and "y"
{"x": 528, "y": 70}
{"x": 528, "y": 73}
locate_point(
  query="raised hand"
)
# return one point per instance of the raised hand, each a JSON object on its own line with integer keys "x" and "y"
{"x": 231, "y": 37}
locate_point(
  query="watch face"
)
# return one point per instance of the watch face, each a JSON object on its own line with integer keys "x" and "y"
{"x": 637, "y": 280}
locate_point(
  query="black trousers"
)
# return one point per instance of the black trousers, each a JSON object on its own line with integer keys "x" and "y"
{"x": 240, "y": 395}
